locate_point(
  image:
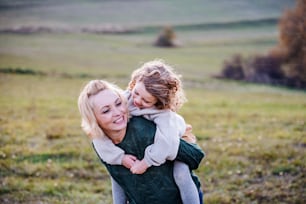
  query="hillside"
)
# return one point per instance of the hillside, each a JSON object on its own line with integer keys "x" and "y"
{"x": 135, "y": 12}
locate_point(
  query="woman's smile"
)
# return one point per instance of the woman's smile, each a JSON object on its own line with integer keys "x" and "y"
{"x": 119, "y": 120}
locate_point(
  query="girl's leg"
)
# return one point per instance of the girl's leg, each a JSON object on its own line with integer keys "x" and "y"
{"x": 201, "y": 195}
{"x": 118, "y": 193}
{"x": 188, "y": 190}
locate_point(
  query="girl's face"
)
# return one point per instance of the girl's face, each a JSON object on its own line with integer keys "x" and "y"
{"x": 110, "y": 111}
{"x": 141, "y": 97}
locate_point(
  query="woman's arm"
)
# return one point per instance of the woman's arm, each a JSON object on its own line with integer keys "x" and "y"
{"x": 191, "y": 154}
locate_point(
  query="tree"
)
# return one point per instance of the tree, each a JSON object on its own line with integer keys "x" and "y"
{"x": 292, "y": 44}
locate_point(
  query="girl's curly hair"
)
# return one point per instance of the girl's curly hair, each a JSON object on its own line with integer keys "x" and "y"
{"x": 162, "y": 82}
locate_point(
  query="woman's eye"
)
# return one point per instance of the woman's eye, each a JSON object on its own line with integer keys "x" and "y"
{"x": 105, "y": 111}
{"x": 119, "y": 103}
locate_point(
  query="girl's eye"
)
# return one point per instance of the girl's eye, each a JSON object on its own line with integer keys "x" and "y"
{"x": 119, "y": 103}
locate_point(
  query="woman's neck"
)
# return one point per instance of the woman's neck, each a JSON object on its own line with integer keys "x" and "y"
{"x": 116, "y": 136}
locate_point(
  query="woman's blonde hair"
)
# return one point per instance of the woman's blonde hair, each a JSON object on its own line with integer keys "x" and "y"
{"x": 89, "y": 123}
{"x": 162, "y": 82}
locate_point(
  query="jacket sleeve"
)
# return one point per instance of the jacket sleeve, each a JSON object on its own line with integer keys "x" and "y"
{"x": 191, "y": 154}
{"x": 108, "y": 151}
{"x": 166, "y": 140}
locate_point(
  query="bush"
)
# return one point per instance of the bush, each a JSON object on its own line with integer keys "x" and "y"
{"x": 166, "y": 38}
{"x": 258, "y": 69}
{"x": 233, "y": 68}
{"x": 265, "y": 69}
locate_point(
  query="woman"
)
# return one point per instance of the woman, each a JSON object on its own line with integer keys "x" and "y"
{"x": 104, "y": 114}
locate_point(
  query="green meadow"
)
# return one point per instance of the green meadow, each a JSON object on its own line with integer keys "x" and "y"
{"x": 253, "y": 135}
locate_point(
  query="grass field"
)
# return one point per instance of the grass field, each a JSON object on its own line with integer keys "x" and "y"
{"x": 253, "y": 135}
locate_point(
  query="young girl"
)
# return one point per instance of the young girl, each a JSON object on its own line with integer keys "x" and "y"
{"x": 155, "y": 92}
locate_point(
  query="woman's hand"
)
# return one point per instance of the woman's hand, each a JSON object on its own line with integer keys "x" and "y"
{"x": 188, "y": 136}
{"x": 128, "y": 160}
{"x": 139, "y": 167}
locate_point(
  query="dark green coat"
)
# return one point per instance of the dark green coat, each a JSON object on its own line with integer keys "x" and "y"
{"x": 157, "y": 184}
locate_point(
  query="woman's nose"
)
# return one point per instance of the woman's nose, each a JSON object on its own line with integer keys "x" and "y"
{"x": 117, "y": 111}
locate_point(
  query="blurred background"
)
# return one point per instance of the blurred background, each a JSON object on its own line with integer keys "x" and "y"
{"x": 243, "y": 68}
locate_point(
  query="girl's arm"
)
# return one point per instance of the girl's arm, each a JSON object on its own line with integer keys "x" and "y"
{"x": 169, "y": 127}
{"x": 112, "y": 154}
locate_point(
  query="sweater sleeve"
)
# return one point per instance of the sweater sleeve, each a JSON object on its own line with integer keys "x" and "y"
{"x": 108, "y": 151}
{"x": 191, "y": 154}
{"x": 169, "y": 126}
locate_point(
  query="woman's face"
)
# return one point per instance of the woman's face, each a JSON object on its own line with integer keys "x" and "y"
{"x": 110, "y": 111}
{"x": 141, "y": 97}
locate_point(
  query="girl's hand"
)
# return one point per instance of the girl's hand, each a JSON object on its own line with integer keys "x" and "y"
{"x": 139, "y": 167}
{"x": 128, "y": 160}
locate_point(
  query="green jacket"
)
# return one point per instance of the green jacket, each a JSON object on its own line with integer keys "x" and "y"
{"x": 157, "y": 184}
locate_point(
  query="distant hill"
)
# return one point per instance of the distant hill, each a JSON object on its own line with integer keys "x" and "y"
{"x": 138, "y": 13}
